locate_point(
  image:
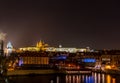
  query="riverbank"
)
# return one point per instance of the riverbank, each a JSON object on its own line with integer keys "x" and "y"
{"x": 46, "y": 71}
{"x": 29, "y": 72}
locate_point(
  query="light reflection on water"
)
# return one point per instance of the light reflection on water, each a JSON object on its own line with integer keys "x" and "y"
{"x": 93, "y": 78}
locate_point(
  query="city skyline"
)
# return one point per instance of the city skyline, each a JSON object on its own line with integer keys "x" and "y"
{"x": 70, "y": 24}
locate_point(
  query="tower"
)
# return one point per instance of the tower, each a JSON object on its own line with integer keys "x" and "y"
{"x": 40, "y": 44}
{"x": 1, "y": 48}
{"x": 9, "y": 48}
{"x": 2, "y": 37}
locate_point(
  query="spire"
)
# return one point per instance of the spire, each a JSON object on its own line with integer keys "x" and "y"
{"x": 9, "y": 45}
{"x": 9, "y": 48}
{"x": 37, "y": 45}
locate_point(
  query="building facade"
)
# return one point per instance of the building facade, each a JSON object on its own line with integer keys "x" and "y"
{"x": 33, "y": 59}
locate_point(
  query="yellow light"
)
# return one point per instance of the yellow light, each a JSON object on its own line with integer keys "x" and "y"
{"x": 107, "y": 67}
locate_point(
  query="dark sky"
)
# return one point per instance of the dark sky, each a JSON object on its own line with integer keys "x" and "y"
{"x": 69, "y": 23}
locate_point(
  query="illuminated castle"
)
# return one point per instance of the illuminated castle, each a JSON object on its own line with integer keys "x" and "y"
{"x": 40, "y": 46}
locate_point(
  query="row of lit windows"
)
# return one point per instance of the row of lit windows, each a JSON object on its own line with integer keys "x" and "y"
{"x": 34, "y": 60}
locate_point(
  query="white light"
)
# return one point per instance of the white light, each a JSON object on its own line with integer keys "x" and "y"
{"x": 60, "y": 46}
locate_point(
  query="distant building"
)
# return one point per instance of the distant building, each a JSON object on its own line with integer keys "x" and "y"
{"x": 9, "y": 49}
{"x": 41, "y": 46}
{"x": 62, "y": 49}
{"x": 33, "y": 59}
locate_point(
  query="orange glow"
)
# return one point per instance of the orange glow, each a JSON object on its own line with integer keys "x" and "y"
{"x": 69, "y": 65}
{"x": 113, "y": 80}
{"x": 108, "y": 79}
{"x": 107, "y": 67}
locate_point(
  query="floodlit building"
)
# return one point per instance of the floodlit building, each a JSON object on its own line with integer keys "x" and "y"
{"x": 62, "y": 49}
{"x": 33, "y": 59}
{"x": 9, "y": 49}
{"x": 41, "y": 46}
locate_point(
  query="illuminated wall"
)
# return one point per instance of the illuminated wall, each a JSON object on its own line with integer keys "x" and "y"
{"x": 44, "y": 47}
{"x": 34, "y": 60}
{"x": 71, "y": 50}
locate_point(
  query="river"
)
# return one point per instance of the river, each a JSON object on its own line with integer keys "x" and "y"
{"x": 92, "y": 78}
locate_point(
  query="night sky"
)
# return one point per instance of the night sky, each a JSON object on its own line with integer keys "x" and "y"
{"x": 69, "y": 23}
